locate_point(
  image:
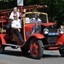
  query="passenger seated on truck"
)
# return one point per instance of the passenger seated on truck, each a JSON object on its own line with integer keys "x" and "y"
{"x": 17, "y": 25}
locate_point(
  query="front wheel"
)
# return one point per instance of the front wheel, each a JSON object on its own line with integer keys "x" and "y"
{"x": 61, "y": 50}
{"x": 36, "y": 50}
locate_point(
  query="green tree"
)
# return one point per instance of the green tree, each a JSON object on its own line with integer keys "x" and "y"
{"x": 55, "y": 8}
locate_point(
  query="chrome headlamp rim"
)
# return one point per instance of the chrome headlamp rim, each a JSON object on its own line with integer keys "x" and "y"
{"x": 45, "y": 31}
{"x": 61, "y": 31}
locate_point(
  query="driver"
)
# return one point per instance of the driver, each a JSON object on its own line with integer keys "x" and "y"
{"x": 35, "y": 20}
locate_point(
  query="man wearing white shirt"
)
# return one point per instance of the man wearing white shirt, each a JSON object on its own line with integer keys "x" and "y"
{"x": 35, "y": 20}
{"x": 11, "y": 17}
{"x": 16, "y": 24}
{"x": 14, "y": 12}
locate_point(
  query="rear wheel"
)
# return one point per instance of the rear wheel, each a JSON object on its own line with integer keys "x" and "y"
{"x": 36, "y": 50}
{"x": 61, "y": 50}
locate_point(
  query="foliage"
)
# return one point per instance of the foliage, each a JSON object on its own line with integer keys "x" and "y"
{"x": 6, "y": 4}
{"x": 55, "y": 8}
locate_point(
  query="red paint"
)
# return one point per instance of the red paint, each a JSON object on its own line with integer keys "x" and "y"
{"x": 2, "y": 38}
{"x": 37, "y": 35}
{"x": 2, "y": 20}
{"x": 48, "y": 24}
{"x": 34, "y": 49}
{"x": 28, "y": 28}
{"x": 53, "y": 48}
{"x": 21, "y": 10}
{"x": 61, "y": 39}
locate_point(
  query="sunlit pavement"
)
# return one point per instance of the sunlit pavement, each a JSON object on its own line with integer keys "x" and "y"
{"x": 14, "y": 56}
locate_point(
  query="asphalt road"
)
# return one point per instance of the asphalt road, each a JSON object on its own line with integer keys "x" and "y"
{"x": 11, "y": 56}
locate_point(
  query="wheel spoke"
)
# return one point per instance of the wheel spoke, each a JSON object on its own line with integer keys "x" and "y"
{"x": 36, "y": 46}
{"x": 36, "y": 52}
{"x": 34, "y": 49}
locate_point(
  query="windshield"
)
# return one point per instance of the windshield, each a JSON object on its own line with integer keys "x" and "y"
{"x": 41, "y": 17}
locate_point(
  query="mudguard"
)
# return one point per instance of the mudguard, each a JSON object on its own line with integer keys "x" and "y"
{"x": 61, "y": 39}
{"x": 3, "y": 41}
{"x": 38, "y": 36}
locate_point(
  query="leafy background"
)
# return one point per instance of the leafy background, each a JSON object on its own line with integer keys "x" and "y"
{"x": 55, "y": 8}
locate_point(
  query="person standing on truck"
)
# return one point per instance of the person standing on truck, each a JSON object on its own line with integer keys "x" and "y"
{"x": 11, "y": 17}
{"x": 15, "y": 24}
{"x": 14, "y": 12}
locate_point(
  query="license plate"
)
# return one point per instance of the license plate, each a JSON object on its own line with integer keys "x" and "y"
{"x": 53, "y": 34}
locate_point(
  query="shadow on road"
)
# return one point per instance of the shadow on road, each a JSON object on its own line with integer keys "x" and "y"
{"x": 15, "y": 53}
{"x": 50, "y": 56}
{"x": 12, "y": 53}
{"x": 20, "y": 54}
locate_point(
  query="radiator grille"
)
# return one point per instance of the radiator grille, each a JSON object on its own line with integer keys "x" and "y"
{"x": 52, "y": 39}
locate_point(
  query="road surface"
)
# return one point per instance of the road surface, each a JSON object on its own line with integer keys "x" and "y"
{"x": 14, "y": 56}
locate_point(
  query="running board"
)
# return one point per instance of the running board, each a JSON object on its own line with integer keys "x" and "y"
{"x": 11, "y": 45}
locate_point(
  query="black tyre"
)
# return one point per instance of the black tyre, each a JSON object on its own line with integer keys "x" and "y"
{"x": 36, "y": 50}
{"x": 61, "y": 50}
{"x": 1, "y": 49}
{"x": 24, "y": 50}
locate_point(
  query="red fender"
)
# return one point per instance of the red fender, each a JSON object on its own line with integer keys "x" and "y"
{"x": 37, "y": 35}
{"x": 61, "y": 39}
{"x": 2, "y": 38}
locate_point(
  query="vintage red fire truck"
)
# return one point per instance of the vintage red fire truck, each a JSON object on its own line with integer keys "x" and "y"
{"x": 48, "y": 37}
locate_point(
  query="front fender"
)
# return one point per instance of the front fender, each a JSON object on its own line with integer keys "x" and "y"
{"x": 61, "y": 39}
{"x": 38, "y": 36}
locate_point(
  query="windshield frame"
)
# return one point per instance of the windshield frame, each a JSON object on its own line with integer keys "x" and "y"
{"x": 24, "y": 15}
